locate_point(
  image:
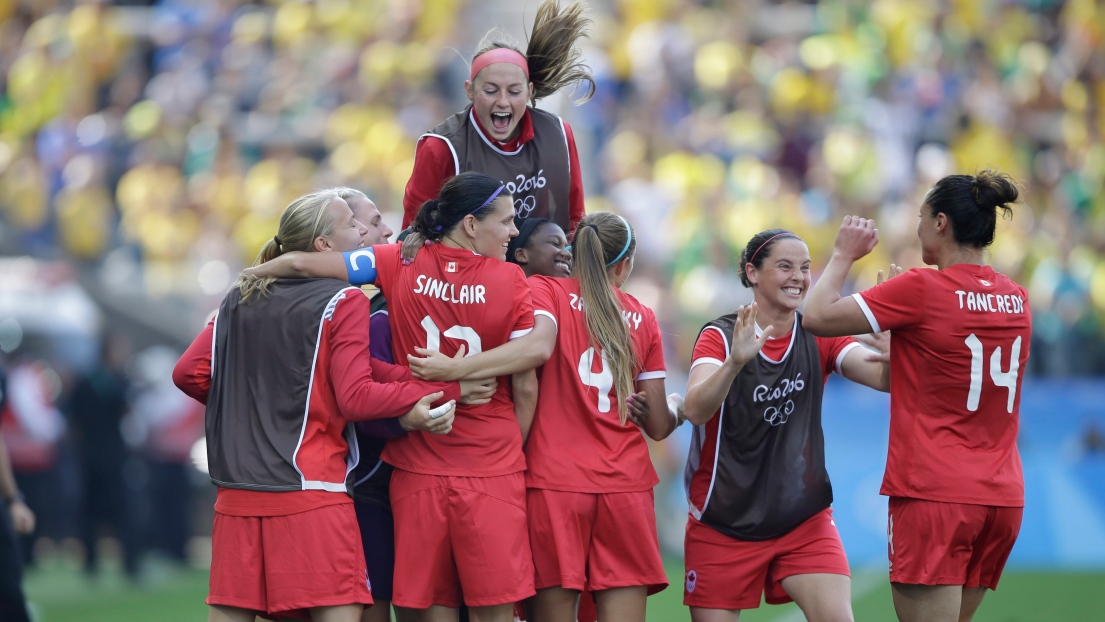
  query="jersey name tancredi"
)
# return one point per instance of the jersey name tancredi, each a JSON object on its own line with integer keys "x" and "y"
{"x": 960, "y": 339}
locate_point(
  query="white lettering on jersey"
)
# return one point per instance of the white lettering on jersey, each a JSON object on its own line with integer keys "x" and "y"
{"x": 450, "y": 292}
{"x": 993, "y": 303}
{"x": 632, "y": 318}
{"x": 783, "y": 389}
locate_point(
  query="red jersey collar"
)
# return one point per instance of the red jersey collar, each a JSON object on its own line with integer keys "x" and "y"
{"x": 525, "y": 132}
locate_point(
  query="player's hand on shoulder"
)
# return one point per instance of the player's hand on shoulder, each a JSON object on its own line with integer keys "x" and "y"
{"x": 857, "y": 237}
{"x": 477, "y": 391}
{"x": 411, "y": 245}
{"x": 425, "y": 418}
{"x": 894, "y": 271}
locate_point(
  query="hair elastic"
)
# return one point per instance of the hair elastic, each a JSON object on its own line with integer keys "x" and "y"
{"x": 766, "y": 241}
{"x": 276, "y": 239}
{"x": 499, "y": 55}
{"x": 628, "y": 240}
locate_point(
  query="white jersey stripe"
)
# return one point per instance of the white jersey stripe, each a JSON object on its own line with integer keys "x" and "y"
{"x": 867, "y": 312}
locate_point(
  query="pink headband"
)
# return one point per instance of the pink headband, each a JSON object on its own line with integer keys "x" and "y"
{"x": 499, "y": 55}
{"x": 765, "y": 244}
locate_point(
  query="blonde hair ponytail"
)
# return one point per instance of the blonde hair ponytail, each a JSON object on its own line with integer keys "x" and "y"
{"x": 601, "y": 240}
{"x": 303, "y": 220}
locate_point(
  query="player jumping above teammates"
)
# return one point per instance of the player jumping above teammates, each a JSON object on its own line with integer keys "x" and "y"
{"x": 532, "y": 151}
{"x": 961, "y": 337}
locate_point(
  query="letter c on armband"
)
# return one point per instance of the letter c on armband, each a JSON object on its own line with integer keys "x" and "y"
{"x": 360, "y": 274}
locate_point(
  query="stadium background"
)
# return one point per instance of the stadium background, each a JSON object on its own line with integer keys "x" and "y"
{"x": 147, "y": 149}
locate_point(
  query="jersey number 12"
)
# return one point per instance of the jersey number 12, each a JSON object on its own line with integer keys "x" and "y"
{"x": 460, "y": 333}
{"x": 1007, "y": 379}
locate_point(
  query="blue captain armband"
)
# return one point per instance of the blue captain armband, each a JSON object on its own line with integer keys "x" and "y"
{"x": 360, "y": 266}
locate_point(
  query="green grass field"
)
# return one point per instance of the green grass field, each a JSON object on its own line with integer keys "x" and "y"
{"x": 60, "y": 593}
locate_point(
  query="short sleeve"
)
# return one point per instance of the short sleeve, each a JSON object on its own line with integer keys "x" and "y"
{"x": 653, "y": 359}
{"x": 387, "y": 265}
{"x": 543, "y": 292}
{"x": 832, "y": 351}
{"x": 523, "y": 305}
{"x": 896, "y": 302}
{"x": 711, "y": 347}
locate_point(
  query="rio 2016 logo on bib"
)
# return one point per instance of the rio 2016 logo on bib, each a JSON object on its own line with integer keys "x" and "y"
{"x": 779, "y": 416}
{"x": 524, "y": 206}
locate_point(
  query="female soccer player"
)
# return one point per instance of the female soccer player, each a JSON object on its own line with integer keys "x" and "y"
{"x": 532, "y": 151}
{"x": 592, "y": 523}
{"x": 540, "y": 248}
{"x": 459, "y": 505}
{"x": 961, "y": 337}
{"x": 278, "y": 413}
{"x": 759, "y": 493}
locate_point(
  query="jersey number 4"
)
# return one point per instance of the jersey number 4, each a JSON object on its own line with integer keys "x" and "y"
{"x": 1007, "y": 379}
{"x": 460, "y": 333}
{"x": 602, "y": 380}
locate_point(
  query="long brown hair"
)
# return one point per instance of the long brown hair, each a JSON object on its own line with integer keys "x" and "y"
{"x": 602, "y": 239}
{"x": 551, "y": 54}
{"x": 303, "y": 220}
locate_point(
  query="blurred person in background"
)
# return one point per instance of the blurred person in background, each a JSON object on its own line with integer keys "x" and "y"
{"x": 760, "y": 519}
{"x": 169, "y": 423}
{"x": 33, "y": 428}
{"x": 961, "y": 336}
{"x": 500, "y": 134}
{"x": 96, "y": 406}
{"x": 278, "y": 425}
{"x": 15, "y": 518}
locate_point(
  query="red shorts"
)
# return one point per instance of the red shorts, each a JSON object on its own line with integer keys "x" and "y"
{"x": 584, "y": 541}
{"x": 935, "y": 543}
{"x": 284, "y": 565}
{"x": 729, "y": 573}
{"x": 460, "y": 535}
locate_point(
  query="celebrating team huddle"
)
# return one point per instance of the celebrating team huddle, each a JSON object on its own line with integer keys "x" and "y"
{"x": 471, "y": 441}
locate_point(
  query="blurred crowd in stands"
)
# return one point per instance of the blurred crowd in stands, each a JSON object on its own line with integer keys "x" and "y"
{"x": 170, "y": 135}
{"x": 157, "y": 143}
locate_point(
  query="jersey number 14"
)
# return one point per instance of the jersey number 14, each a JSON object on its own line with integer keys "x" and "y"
{"x": 1007, "y": 379}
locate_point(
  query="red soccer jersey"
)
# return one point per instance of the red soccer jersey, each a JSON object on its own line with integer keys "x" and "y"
{"x": 577, "y": 443}
{"x": 711, "y": 348}
{"x": 960, "y": 338}
{"x": 448, "y": 297}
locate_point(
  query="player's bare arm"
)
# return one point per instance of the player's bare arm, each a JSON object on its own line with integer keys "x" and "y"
{"x": 517, "y": 355}
{"x": 298, "y": 265}
{"x": 827, "y": 314}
